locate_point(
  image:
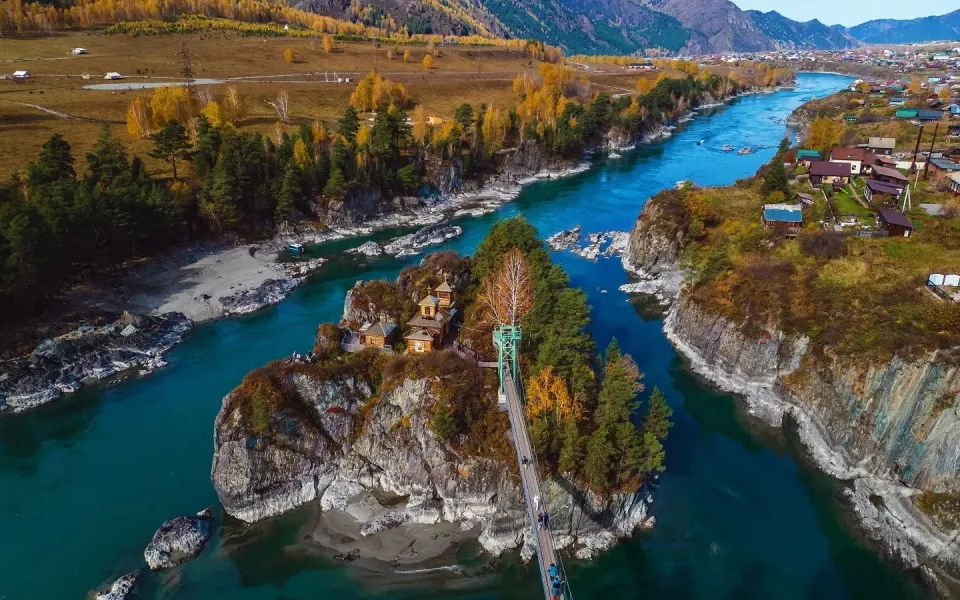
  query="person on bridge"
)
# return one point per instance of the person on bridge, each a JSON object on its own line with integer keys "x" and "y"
{"x": 524, "y": 461}
{"x": 546, "y": 519}
{"x": 539, "y": 520}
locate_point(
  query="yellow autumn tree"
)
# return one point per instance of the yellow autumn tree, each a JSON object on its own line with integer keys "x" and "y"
{"x": 236, "y": 108}
{"x": 171, "y": 103}
{"x": 406, "y": 56}
{"x": 363, "y": 136}
{"x": 139, "y": 119}
{"x": 496, "y": 123}
{"x": 301, "y": 154}
{"x": 916, "y": 85}
{"x": 420, "y": 128}
{"x": 328, "y": 43}
{"x": 390, "y": 54}
{"x": 428, "y": 62}
{"x": 321, "y": 135}
{"x": 288, "y": 55}
{"x": 214, "y": 113}
{"x": 825, "y": 133}
{"x": 547, "y": 392}
{"x": 644, "y": 86}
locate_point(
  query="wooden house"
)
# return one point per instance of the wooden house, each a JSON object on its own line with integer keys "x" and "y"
{"x": 830, "y": 173}
{"x": 783, "y": 218}
{"x": 891, "y": 176}
{"x": 378, "y": 335}
{"x": 896, "y": 223}
{"x": 851, "y": 156}
{"x": 881, "y": 145}
{"x": 878, "y": 191}
{"x": 943, "y": 166}
{"x": 954, "y": 183}
{"x": 420, "y": 342}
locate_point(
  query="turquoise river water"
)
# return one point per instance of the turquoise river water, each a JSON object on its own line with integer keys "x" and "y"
{"x": 86, "y": 481}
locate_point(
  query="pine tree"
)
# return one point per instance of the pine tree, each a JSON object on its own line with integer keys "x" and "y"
{"x": 54, "y": 164}
{"x": 571, "y": 451}
{"x": 657, "y": 420}
{"x": 600, "y": 454}
{"x": 171, "y": 144}
{"x": 336, "y": 186}
{"x": 775, "y": 178}
{"x": 349, "y": 123}
{"x": 208, "y": 146}
{"x": 290, "y": 193}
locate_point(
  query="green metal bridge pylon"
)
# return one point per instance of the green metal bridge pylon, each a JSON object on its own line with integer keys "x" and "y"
{"x": 507, "y": 340}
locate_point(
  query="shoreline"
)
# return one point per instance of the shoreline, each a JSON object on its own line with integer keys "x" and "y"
{"x": 882, "y": 506}
{"x": 180, "y": 286}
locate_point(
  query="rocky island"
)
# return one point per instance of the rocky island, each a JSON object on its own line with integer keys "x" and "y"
{"x": 833, "y": 334}
{"x": 392, "y": 425}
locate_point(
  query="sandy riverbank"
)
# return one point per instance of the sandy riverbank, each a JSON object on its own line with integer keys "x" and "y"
{"x": 192, "y": 281}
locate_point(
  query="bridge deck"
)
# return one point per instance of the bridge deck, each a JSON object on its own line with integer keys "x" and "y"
{"x": 531, "y": 483}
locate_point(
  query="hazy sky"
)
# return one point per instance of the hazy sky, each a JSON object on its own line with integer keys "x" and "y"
{"x": 840, "y": 12}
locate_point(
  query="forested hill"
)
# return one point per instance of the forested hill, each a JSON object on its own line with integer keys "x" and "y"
{"x": 926, "y": 29}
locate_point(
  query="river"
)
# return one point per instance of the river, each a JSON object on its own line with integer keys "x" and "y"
{"x": 86, "y": 481}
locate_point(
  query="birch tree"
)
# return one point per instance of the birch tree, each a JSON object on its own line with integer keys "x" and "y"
{"x": 282, "y": 106}
{"x": 508, "y": 291}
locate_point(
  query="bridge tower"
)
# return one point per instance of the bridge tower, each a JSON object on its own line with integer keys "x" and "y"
{"x": 507, "y": 340}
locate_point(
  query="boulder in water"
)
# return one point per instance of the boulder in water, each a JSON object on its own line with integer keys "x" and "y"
{"x": 178, "y": 540}
{"x": 121, "y": 589}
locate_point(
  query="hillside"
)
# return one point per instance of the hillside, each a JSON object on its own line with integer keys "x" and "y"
{"x": 925, "y": 29}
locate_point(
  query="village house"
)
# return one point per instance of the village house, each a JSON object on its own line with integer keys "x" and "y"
{"x": 78, "y": 51}
{"x": 890, "y": 176}
{"x": 806, "y": 157}
{"x": 379, "y": 335}
{"x": 782, "y": 218}
{"x": 830, "y": 173}
{"x": 21, "y": 75}
{"x": 929, "y": 115}
{"x": 942, "y": 166}
{"x": 954, "y": 183}
{"x": 907, "y": 113}
{"x": 848, "y": 156}
{"x": 895, "y": 222}
{"x": 429, "y": 328}
{"x": 881, "y": 145}
{"x": 113, "y": 76}
{"x": 878, "y": 191}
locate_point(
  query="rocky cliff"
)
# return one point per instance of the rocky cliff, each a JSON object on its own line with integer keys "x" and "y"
{"x": 892, "y": 429}
{"x": 346, "y": 445}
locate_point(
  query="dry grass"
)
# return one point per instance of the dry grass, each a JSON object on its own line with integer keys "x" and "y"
{"x": 255, "y": 65}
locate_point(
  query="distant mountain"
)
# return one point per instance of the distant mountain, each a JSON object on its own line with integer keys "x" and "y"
{"x": 925, "y": 29}
{"x": 788, "y": 33}
{"x": 601, "y": 26}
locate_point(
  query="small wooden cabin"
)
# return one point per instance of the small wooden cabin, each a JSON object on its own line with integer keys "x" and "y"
{"x": 378, "y": 335}
{"x": 783, "y": 218}
{"x": 896, "y": 223}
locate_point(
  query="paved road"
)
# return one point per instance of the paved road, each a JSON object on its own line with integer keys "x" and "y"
{"x": 531, "y": 482}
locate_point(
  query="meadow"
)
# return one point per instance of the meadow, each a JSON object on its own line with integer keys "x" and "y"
{"x": 54, "y": 99}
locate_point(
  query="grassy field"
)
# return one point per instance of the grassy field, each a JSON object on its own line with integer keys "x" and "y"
{"x": 255, "y": 65}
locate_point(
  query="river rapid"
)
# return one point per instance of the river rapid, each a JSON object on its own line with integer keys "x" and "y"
{"x": 85, "y": 481}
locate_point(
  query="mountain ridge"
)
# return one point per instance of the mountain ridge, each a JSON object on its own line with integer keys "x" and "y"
{"x": 684, "y": 27}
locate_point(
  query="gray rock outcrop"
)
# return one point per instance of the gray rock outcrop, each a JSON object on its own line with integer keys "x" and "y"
{"x": 63, "y": 364}
{"x": 337, "y": 457}
{"x": 121, "y": 589}
{"x": 178, "y": 540}
{"x": 890, "y": 429}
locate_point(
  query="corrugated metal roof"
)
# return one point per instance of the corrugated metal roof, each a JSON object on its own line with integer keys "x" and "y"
{"x": 944, "y": 164}
{"x": 784, "y": 213}
{"x": 888, "y": 172}
{"x": 806, "y": 153}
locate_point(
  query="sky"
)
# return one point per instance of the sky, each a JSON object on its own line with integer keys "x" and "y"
{"x": 840, "y": 12}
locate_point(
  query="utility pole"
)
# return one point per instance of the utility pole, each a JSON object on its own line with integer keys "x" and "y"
{"x": 926, "y": 165}
{"x": 916, "y": 149}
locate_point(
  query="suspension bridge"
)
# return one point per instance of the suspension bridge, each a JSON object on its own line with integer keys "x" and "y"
{"x": 507, "y": 340}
